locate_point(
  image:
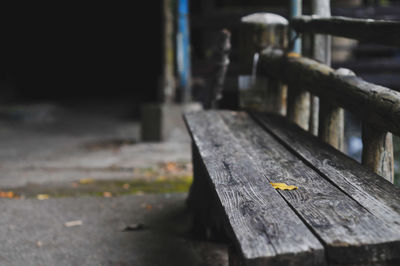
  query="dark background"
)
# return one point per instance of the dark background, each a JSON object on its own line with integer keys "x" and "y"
{"x": 60, "y": 52}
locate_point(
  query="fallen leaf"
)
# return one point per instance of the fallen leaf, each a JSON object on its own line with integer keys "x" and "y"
{"x": 42, "y": 196}
{"x": 7, "y": 194}
{"x": 126, "y": 186}
{"x": 86, "y": 181}
{"x": 171, "y": 167}
{"x": 73, "y": 223}
{"x": 107, "y": 194}
{"x": 149, "y": 207}
{"x": 283, "y": 186}
{"x": 293, "y": 54}
{"x": 133, "y": 227}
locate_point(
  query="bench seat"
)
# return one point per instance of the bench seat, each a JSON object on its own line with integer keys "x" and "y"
{"x": 340, "y": 214}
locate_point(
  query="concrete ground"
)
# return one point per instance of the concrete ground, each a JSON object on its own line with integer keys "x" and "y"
{"x": 46, "y": 148}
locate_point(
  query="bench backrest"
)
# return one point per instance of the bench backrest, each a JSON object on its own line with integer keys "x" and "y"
{"x": 378, "y": 107}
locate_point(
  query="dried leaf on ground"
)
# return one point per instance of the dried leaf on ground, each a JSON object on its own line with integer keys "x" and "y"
{"x": 86, "y": 181}
{"x": 171, "y": 167}
{"x": 73, "y": 223}
{"x": 107, "y": 194}
{"x": 133, "y": 227}
{"x": 42, "y": 196}
{"x": 7, "y": 194}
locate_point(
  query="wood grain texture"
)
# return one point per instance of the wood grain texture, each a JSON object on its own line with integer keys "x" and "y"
{"x": 366, "y": 30}
{"x": 265, "y": 228}
{"x": 374, "y": 104}
{"x": 377, "y": 153}
{"x": 374, "y": 193}
{"x": 350, "y": 233}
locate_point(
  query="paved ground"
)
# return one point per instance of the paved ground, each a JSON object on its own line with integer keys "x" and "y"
{"x": 52, "y": 148}
{"x": 49, "y": 143}
{"x": 33, "y": 232}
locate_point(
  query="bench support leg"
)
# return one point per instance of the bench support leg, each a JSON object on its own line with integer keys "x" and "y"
{"x": 202, "y": 202}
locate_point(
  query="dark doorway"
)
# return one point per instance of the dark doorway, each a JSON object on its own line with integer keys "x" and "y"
{"x": 67, "y": 52}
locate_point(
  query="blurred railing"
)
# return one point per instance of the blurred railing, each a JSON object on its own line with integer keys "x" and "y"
{"x": 378, "y": 107}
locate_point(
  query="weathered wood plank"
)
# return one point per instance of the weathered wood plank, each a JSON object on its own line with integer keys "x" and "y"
{"x": 374, "y": 193}
{"x": 351, "y": 234}
{"x": 374, "y": 104}
{"x": 266, "y": 229}
{"x": 366, "y": 30}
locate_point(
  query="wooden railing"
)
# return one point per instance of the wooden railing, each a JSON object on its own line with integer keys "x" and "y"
{"x": 377, "y": 107}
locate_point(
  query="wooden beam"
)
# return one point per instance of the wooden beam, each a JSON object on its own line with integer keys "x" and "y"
{"x": 366, "y": 30}
{"x": 374, "y": 104}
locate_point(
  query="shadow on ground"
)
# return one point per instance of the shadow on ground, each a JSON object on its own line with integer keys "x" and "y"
{"x": 34, "y": 232}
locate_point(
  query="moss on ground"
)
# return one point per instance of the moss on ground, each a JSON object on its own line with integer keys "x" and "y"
{"x": 101, "y": 188}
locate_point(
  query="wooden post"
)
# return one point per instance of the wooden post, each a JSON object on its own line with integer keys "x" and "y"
{"x": 377, "y": 152}
{"x": 167, "y": 89}
{"x": 221, "y": 62}
{"x": 298, "y": 99}
{"x": 259, "y": 31}
{"x": 331, "y": 119}
{"x": 321, "y": 51}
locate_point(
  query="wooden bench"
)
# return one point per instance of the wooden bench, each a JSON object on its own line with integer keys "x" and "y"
{"x": 342, "y": 213}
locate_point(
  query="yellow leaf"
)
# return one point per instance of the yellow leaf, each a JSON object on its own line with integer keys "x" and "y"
{"x": 171, "y": 167}
{"x": 107, "y": 194}
{"x": 42, "y": 196}
{"x": 283, "y": 186}
{"x": 293, "y": 54}
{"x": 7, "y": 194}
{"x": 86, "y": 181}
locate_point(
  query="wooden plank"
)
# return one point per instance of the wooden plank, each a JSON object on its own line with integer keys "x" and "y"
{"x": 265, "y": 227}
{"x": 374, "y": 104}
{"x": 373, "y": 192}
{"x": 350, "y": 233}
{"x": 366, "y": 30}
